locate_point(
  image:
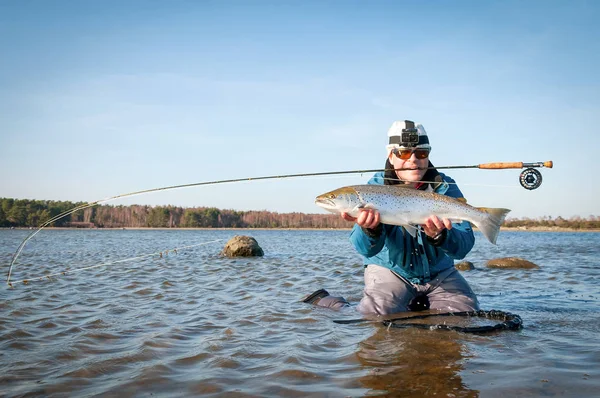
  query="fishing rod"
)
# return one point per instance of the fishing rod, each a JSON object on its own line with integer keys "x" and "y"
{"x": 530, "y": 179}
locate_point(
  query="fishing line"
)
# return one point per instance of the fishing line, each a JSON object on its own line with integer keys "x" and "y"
{"x": 72, "y": 271}
{"x": 509, "y": 320}
{"x": 488, "y": 166}
{"x": 462, "y": 184}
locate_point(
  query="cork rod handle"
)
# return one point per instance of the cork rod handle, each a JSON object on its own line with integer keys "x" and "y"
{"x": 502, "y": 165}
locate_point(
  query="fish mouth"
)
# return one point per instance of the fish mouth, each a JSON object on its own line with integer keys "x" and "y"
{"x": 325, "y": 203}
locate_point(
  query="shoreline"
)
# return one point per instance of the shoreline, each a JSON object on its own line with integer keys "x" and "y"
{"x": 546, "y": 229}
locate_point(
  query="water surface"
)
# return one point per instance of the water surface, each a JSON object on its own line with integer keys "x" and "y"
{"x": 194, "y": 323}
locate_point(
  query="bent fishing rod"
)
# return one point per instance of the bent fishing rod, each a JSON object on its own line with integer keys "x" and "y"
{"x": 530, "y": 179}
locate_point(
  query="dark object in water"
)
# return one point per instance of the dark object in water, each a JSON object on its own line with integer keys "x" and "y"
{"x": 510, "y": 262}
{"x": 314, "y": 298}
{"x": 509, "y": 321}
{"x": 242, "y": 246}
{"x": 419, "y": 303}
{"x": 322, "y": 298}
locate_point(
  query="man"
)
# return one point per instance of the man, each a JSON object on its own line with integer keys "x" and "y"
{"x": 402, "y": 272}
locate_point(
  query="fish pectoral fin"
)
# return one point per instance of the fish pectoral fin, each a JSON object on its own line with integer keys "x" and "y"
{"x": 411, "y": 229}
{"x": 357, "y": 208}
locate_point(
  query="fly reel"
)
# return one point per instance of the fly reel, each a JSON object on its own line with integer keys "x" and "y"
{"x": 530, "y": 178}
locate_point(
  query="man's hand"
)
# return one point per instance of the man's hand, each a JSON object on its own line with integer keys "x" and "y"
{"x": 433, "y": 226}
{"x": 367, "y": 218}
{"x": 370, "y": 218}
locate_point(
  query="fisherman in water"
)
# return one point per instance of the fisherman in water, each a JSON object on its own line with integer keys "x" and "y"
{"x": 405, "y": 272}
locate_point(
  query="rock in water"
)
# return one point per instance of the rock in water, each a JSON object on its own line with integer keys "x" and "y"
{"x": 510, "y": 262}
{"x": 464, "y": 266}
{"x": 242, "y": 246}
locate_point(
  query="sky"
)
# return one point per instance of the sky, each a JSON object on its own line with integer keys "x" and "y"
{"x": 103, "y": 98}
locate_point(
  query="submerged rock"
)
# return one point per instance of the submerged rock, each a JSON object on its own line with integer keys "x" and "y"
{"x": 511, "y": 262}
{"x": 242, "y": 246}
{"x": 464, "y": 266}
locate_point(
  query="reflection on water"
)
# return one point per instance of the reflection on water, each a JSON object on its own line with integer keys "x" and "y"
{"x": 413, "y": 362}
{"x": 195, "y": 323}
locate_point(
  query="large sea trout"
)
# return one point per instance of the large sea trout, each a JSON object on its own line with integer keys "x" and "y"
{"x": 407, "y": 207}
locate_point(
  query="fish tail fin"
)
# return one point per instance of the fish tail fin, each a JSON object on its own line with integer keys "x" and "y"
{"x": 490, "y": 225}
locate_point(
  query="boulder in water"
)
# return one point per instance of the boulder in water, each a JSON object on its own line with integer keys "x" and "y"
{"x": 242, "y": 246}
{"x": 511, "y": 262}
{"x": 464, "y": 266}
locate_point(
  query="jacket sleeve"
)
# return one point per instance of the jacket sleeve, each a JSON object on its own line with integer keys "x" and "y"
{"x": 367, "y": 244}
{"x": 459, "y": 240}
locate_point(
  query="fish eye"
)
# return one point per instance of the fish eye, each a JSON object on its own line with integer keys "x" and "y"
{"x": 331, "y": 196}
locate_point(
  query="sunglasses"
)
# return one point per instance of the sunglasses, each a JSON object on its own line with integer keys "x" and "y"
{"x": 405, "y": 154}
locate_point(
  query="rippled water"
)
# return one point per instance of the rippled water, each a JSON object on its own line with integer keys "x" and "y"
{"x": 194, "y": 323}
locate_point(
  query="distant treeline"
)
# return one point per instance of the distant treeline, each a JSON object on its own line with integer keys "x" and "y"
{"x": 592, "y": 222}
{"x": 33, "y": 213}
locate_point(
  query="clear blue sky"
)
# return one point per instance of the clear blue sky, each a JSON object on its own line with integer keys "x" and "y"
{"x": 100, "y": 98}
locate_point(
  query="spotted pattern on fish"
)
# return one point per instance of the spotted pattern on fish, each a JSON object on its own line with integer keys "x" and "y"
{"x": 404, "y": 206}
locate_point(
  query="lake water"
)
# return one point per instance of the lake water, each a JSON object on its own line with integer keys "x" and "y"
{"x": 192, "y": 323}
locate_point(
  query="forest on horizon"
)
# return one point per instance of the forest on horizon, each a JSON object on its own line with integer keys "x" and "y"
{"x": 19, "y": 213}
{"x": 33, "y": 213}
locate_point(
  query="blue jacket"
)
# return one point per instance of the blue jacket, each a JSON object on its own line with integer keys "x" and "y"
{"x": 415, "y": 259}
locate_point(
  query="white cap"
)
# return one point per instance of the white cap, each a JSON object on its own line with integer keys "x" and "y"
{"x": 406, "y": 126}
